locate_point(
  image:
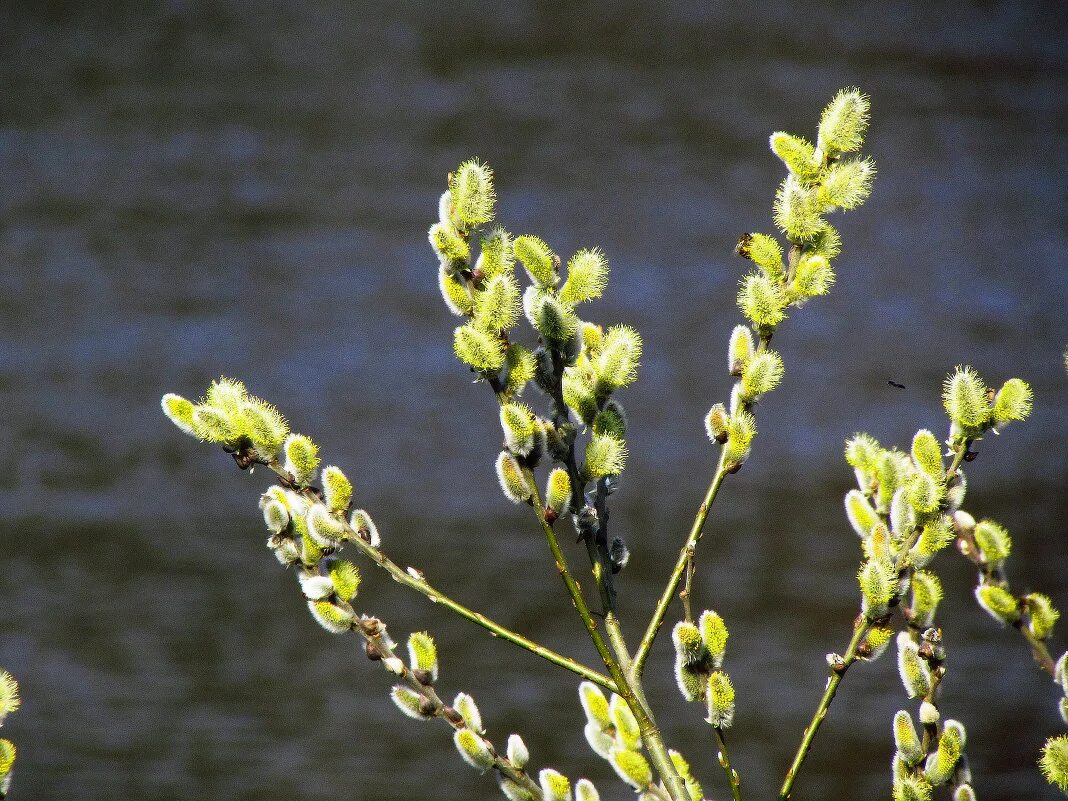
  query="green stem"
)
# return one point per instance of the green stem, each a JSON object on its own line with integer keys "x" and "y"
{"x": 733, "y": 778}
{"x": 417, "y": 582}
{"x": 650, "y": 734}
{"x": 685, "y": 555}
{"x": 848, "y": 659}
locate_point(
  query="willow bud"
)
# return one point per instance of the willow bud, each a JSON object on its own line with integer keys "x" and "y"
{"x": 554, "y": 785}
{"x": 797, "y": 154}
{"x": 337, "y": 489}
{"x": 847, "y": 184}
{"x": 720, "y": 699}
{"x": 915, "y": 674}
{"x": 716, "y": 423}
{"x": 519, "y": 426}
{"x": 302, "y": 458}
{"x": 797, "y": 210}
{"x": 325, "y": 529}
{"x": 714, "y": 633}
{"x": 926, "y": 595}
{"x": 616, "y": 363}
{"x": 497, "y": 306}
{"x": 585, "y": 791}
{"x": 1041, "y": 615}
{"x": 473, "y": 196}
{"x": 473, "y": 749}
{"x": 448, "y": 243}
{"x": 844, "y": 122}
{"x": 993, "y": 541}
{"x": 762, "y": 301}
{"x": 594, "y": 704}
{"x": 627, "y": 732}
{"x": 998, "y": 602}
{"x": 478, "y": 349}
{"x": 180, "y": 412}
{"x": 587, "y": 276}
{"x": 940, "y": 764}
{"x": 360, "y": 522}
{"x": 1013, "y": 401}
{"x": 911, "y": 788}
{"x": 465, "y": 705}
{"x": 332, "y": 618}
{"x": 689, "y": 647}
{"x": 764, "y": 251}
{"x": 606, "y": 455}
{"x": 558, "y": 491}
{"x": 860, "y": 513}
{"x": 1054, "y": 761}
{"x": 761, "y": 374}
{"x": 814, "y": 277}
{"x": 537, "y": 259}
{"x": 345, "y": 577}
{"x": 423, "y": 654}
{"x": 964, "y": 397}
{"x": 906, "y": 739}
{"x": 9, "y": 695}
{"x": 632, "y": 768}
{"x": 518, "y": 754}
{"x": 410, "y": 702}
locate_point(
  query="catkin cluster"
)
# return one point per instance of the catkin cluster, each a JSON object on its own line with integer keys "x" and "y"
{"x": 9, "y": 702}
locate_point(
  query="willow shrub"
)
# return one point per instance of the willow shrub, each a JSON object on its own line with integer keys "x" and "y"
{"x": 557, "y": 389}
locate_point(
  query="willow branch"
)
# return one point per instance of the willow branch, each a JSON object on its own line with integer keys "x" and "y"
{"x": 733, "y": 779}
{"x": 415, "y": 579}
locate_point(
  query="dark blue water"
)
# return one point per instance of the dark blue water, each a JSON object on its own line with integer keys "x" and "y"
{"x": 192, "y": 189}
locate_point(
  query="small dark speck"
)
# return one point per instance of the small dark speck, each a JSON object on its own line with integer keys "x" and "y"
{"x": 895, "y": 384}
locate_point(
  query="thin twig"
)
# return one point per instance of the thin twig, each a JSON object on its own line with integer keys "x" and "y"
{"x": 733, "y": 779}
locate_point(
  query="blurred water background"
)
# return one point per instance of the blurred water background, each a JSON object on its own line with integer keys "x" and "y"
{"x": 197, "y": 188}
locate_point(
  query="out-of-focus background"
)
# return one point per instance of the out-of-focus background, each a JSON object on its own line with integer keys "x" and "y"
{"x": 201, "y": 188}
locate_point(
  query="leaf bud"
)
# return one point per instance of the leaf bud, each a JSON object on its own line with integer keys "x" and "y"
{"x": 473, "y": 749}
{"x": 797, "y": 154}
{"x": 714, "y": 633}
{"x": 594, "y": 704}
{"x": 537, "y": 259}
{"x": 993, "y": 541}
{"x": 720, "y": 699}
{"x": 716, "y": 423}
{"x": 1013, "y": 401}
{"x": 465, "y": 705}
{"x": 843, "y": 123}
{"x": 762, "y": 301}
{"x": 409, "y": 702}
{"x": 179, "y": 411}
{"x": 337, "y": 489}
{"x": 587, "y": 276}
{"x": 365, "y": 528}
{"x": 473, "y": 197}
{"x": 998, "y": 602}
{"x": 740, "y": 349}
{"x": 478, "y": 349}
{"x": 906, "y": 740}
{"x": 632, "y": 768}
{"x": 345, "y": 577}
{"x": 558, "y": 491}
{"x": 513, "y": 481}
{"x": 332, "y": 618}
{"x": 915, "y": 674}
{"x": 423, "y": 654}
{"x": 761, "y": 374}
{"x": 1041, "y": 615}
{"x": 554, "y": 785}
